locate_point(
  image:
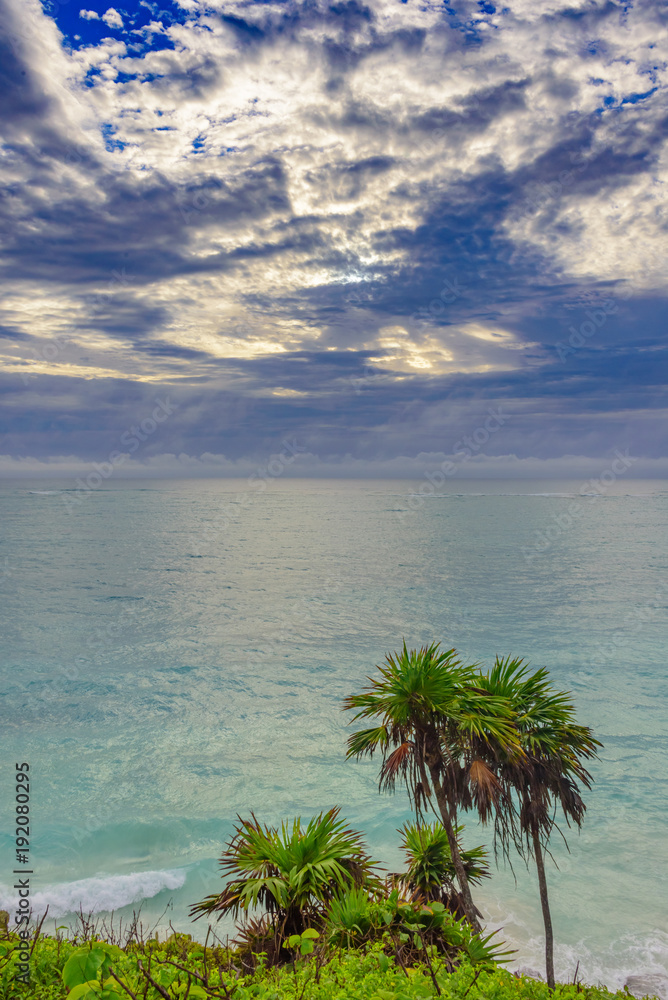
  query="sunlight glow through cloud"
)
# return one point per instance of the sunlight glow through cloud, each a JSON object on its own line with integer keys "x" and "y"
{"x": 276, "y": 200}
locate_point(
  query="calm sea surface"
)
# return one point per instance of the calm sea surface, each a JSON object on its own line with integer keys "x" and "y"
{"x": 175, "y": 653}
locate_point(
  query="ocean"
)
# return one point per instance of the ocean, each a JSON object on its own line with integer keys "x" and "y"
{"x": 175, "y": 654}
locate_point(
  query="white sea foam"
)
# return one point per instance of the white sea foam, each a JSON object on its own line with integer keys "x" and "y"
{"x": 612, "y": 963}
{"x": 99, "y": 894}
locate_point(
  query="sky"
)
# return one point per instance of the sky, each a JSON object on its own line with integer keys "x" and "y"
{"x": 372, "y": 237}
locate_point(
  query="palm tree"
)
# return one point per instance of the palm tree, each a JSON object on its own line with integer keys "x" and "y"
{"x": 292, "y": 873}
{"x": 431, "y": 874}
{"x": 545, "y": 778}
{"x": 432, "y": 721}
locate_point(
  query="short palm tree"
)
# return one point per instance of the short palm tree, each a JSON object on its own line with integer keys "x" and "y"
{"x": 431, "y": 874}
{"x": 292, "y": 873}
{"x": 545, "y": 778}
{"x": 432, "y": 722}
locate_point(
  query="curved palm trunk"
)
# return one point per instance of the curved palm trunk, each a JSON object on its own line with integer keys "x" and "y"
{"x": 545, "y": 905}
{"x": 449, "y": 826}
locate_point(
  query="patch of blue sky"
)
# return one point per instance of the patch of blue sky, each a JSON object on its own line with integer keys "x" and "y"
{"x": 469, "y": 29}
{"x": 610, "y": 103}
{"x": 91, "y": 77}
{"x": 82, "y": 31}
{"x": 634, "y": 98}
{"x": 111, "y": 145}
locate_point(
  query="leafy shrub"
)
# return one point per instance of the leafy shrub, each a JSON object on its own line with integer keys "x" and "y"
{"x": 407, "y": 928}
{"x": 205, "y": 974}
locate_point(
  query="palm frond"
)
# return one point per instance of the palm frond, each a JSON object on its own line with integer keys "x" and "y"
{"x": 294, "y": 870}
{"x": 396, "y": 765}
{"x": 431, "y": 871}
{"x": 365, "y": 742}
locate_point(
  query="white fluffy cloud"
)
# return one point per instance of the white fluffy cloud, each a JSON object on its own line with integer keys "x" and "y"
{"x": 112, "y": 18}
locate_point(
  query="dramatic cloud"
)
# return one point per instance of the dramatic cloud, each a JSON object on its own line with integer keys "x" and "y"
{"x": 360, "y": 225}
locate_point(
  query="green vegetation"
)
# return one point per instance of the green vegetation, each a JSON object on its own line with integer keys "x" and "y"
{"x": 314, "y": 918}
{"x": 430, "y": 718}
{"x": 544, "y": 777}
{"x": 431, "y": 872}
{"x": 292, "y": 874}
{"x": 180, "y": 969}
{"x": 504, "y": 744}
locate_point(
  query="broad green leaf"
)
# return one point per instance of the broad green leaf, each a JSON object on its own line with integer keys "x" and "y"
{"x": 110, "y": 949}
{"x": 310, "y": 933}
{"x": 85, "y": 991}
{"x": 82, "y": 966}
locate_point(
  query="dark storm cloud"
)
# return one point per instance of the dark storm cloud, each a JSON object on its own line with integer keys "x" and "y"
{"x": 146, "y": 228}
{"x": 295, "y": 260}
{"x": 21, "y": 100}
{"x": 344, "y": 411}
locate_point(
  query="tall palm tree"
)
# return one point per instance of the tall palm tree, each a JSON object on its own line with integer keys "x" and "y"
{"x": 545, "y": 778}
{"x": 432, "y": 719}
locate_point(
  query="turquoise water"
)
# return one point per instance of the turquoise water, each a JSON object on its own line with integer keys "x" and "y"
{"x": 176, "y": 653}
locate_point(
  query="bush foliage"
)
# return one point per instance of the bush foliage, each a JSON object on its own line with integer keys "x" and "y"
{"x": 181, "y": 969}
